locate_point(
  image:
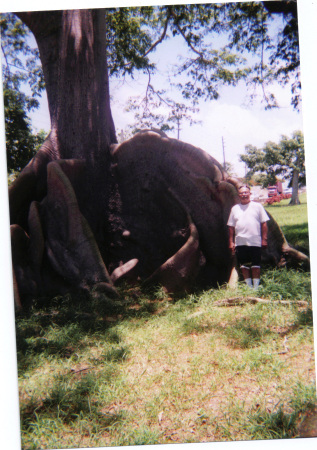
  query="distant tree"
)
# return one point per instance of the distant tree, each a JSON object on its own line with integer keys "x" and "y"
{"x": 229, "y": 168}
{"x": 21, "y": 142}
{"x": 20, "y": 66}
{"x": 20, "y": 62}
{"x": 286, "y": 158}
{"x": 155, "y": 111}
{"x": 264, "y": 180}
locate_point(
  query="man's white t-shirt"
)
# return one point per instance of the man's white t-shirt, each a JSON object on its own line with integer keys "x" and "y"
{"x": 247, "y": 219}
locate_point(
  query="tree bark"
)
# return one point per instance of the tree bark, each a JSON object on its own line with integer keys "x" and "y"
{"x": 72, "y": 47}
{"x": 295, "y": 196}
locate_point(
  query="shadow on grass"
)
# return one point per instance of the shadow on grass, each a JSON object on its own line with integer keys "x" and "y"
{"x": 305, "y": 318}
{"x": 241, "y": 333}
{"x": 69, "y": 402}
{"x": 297, "y": 236}
{"x": 59, "y": 326}
{"x": 58, "y": 329}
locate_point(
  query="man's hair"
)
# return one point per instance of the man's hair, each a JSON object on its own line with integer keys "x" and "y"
{"x": 245, "y": 186}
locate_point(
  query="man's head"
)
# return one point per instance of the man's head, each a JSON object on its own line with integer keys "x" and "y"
{"x": 244, "y": 194}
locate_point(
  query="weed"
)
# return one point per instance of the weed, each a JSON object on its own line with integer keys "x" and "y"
{"x": 196, "y": 324}
{"x": 115, "y": 354}
{"x": 142, "y": 436}
{"x": 304, "y": 397}
{"x": 277, "y": 425}
{"x": 287, "y": 284}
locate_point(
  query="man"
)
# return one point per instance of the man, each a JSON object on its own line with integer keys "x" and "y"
{"x": 247, "y": 235}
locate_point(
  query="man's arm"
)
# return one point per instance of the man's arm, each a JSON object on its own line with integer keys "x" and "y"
{"x": 232, "y": 246}
{"x": 264, "y": 234}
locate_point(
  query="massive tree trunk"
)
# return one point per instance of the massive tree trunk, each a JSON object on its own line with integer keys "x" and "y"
{"x": 73, "y": 53}
{"x": 87, "y": 212}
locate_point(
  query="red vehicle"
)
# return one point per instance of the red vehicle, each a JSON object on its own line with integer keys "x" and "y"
{"x": 275, "y": 190}
{"x": 271, "y": 191}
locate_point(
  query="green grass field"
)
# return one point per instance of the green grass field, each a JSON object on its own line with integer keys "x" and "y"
{"x": 153, "y": 369}
{"x": 293, "y": 220}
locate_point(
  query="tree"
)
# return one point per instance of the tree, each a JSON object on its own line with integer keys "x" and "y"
{"x": 278, "y": 54}
{"x": 21, "y": 143}
{"x": 20, "y": 66}
{"x": 286, "y": 158}
{"x": 151, "y": 208}
{"x": 146, "y": 118}
{"x": 20, "y": 62}
{"x": 293, "y": 158}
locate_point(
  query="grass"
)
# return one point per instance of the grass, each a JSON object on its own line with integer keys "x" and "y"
{"x": 293, "y": 220}
{"x": 152, "y": 369}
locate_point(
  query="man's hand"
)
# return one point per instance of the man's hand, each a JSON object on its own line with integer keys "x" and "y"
{"x": 232, "y": 248}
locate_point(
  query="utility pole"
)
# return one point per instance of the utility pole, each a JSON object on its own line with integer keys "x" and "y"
{"x": 223, "y": 152}
{"x": 178, "y": 126}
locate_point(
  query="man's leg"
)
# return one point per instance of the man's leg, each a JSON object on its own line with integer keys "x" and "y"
{"x": 256, "y": 265}
{"x": 256, "y": 270}
{"x": 242, "y": 253}
{"x": 246, "y": 273}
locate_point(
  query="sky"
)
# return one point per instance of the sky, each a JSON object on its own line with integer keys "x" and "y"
{"x": 229, "y": 122}
{"x": 227, "y": 119}
{"x": 238, "y": 126}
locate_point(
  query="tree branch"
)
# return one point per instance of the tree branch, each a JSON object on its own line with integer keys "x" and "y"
{"x": 159, "y": 40}
{"x": 6, "y": 59}
{"x": 200, "y": 54}
{"x": 162, "y": 37}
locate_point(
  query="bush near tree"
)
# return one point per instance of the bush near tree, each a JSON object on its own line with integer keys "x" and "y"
{"x": 277, "y": 198}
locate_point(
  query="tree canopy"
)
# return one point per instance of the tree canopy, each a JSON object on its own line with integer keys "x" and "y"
{"x": 266, "y": 31}
{"x": 254, "y": 42}
{"x": 286, "y": 158}
{"x": 258, "y": 43}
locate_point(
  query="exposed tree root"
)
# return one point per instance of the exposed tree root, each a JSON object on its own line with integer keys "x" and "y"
{"x": 160, "y": 219}
{"x": 236, "y": 301}
{"x": 124, "y": 270}
{"x": 179, "y": 271}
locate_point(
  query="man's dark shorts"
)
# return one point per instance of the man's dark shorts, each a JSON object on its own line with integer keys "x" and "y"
{"x": 248, "y": 255}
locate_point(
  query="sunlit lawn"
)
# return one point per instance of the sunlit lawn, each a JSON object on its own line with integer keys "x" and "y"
{"x": 293, "y": 220}
{"x": 152, "y": 369}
